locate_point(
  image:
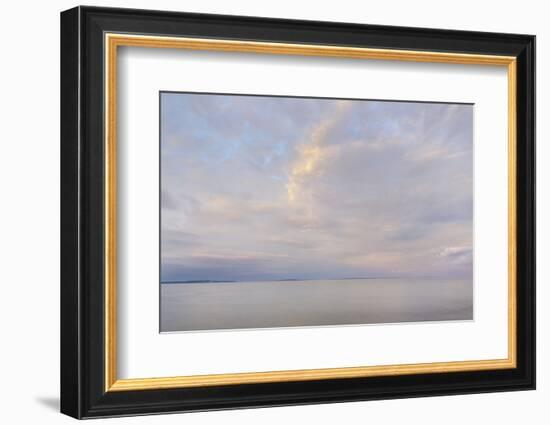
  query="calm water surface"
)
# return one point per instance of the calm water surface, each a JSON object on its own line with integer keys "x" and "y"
{"x": 209, "y": 306}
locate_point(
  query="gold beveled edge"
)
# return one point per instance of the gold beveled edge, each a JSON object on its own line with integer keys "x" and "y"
{"x": 303, "y": 49}
{"x": 512, "y": 212}
{"x": 110, "y": 214}
{"x": 307, "y": 374}
{"x": 112, "y": 41}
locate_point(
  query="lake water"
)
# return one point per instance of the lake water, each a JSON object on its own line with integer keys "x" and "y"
{"x": 239, "y": 305}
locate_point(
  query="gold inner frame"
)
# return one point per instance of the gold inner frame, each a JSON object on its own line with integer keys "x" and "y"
{"x": 113, "y": 41}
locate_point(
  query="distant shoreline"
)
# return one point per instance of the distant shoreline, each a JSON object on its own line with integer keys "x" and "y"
{"x": 176, "y": 282}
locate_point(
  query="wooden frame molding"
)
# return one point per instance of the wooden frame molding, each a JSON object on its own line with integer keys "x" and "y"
{"x": 114, "y": 40}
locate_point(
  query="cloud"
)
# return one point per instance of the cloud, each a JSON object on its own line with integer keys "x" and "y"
{"x": 168, "y": 201}
{"x": 456, "y": 251}
{"x": 268, "y": 188}
{"x": 458, "y": 254}
{"x": 312, "y": 151}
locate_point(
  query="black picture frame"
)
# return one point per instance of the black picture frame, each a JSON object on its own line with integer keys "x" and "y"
{"x": 83, "y": 392}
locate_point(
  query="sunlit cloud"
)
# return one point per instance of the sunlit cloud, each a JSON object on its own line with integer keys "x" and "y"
{"x": 312, "y": 151}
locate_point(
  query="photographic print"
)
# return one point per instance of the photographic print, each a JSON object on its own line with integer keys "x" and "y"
{"x": 292, "y": 211}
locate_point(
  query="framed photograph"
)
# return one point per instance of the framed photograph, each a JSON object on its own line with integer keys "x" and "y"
{"x": 261, "y": 212}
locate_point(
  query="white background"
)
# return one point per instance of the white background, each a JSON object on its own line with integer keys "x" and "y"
{"x": 143, "y": 352}
{"x": 29, "y": 228}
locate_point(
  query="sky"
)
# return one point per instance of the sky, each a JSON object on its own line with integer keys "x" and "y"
{"x": 265, "y": 188}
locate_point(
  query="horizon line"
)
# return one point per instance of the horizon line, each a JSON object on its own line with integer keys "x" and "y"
{"x": 298, "y": 279}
